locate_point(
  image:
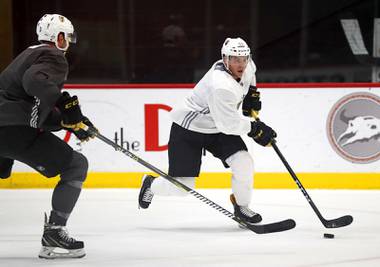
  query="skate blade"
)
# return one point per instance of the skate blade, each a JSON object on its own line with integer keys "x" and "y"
{"x": 60, "y": 253}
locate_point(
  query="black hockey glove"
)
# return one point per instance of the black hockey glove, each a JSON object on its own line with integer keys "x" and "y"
{"x": 70, "y": 110}
{"x": 82, "y": 134}
{"x": 251, "y": 102}
{"x": 261, "y": 133}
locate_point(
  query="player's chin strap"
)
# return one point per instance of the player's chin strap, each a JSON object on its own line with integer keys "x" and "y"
{"x": 334, "y": 223}
{"x": 259, "y": 229}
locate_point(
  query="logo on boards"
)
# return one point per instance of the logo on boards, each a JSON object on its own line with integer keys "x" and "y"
{"x": 353, "y": 127}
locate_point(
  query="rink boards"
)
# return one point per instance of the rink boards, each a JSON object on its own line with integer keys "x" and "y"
{"x": 310, "y": 121}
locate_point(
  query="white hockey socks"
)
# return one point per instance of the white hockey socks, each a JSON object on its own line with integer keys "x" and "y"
{"x": 241, "y": 164}
{"x": 163, "y": 187}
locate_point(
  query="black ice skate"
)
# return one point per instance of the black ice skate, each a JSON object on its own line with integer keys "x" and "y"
{"x": 244, "y": 213}
{"x": 56, "y": 243}
{"x": 146, "y": 194}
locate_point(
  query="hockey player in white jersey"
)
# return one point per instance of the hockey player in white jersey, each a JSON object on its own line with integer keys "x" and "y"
{"x": 210, "y": 118}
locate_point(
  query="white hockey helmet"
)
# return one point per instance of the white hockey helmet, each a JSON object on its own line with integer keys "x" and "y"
{"x": 50, "y": 25}
{"x": 235, "y": 47}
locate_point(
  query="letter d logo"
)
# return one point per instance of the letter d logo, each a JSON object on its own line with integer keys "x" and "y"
{"x": 152, "y": 127}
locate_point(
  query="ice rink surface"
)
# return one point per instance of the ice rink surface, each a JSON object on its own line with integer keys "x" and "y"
{"x": 178, "y": 231}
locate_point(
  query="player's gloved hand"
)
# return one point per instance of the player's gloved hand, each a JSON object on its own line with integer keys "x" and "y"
{"x": 72, "y": 116}
{"x": 261, "y": 133}
{"x": 81, "y": 133}
{"x": 251, "y": 102}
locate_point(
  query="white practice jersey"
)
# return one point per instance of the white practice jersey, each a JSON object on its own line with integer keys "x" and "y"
{"x": 213, "y": 106}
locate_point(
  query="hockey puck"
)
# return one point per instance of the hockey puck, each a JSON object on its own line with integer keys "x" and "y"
{"x": 325, "y": 235}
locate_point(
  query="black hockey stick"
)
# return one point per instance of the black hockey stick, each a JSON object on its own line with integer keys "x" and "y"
{"x": 334, "y": 223}
{"x": 258, "y": 229}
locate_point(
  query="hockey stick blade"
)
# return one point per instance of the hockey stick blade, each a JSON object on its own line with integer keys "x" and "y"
{"x": 258, "y": 229}
{"x": 338, "y": 222}
{"x": 272, "y": 227}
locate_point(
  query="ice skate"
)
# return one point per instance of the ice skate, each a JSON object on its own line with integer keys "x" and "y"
{"x": 146, "y": 194}
{"x": 244, "y": 213}
{"x": 56, "y": 243}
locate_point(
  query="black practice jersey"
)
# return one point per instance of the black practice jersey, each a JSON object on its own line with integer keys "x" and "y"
{"x": 31, "y": 85}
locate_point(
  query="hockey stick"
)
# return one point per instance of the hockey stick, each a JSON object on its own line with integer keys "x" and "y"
{"x": 258, "y": 229}
{"x": 334, "y": 223}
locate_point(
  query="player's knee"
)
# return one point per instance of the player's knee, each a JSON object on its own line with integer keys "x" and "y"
{"x": 81, "y": 166}
{"x": 241, "y": 164}
{"x": 83, "y": 163}
{"x": 77, "y": 171}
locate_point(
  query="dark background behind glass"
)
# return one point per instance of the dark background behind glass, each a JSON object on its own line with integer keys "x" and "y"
{"x": 176, "y": 41}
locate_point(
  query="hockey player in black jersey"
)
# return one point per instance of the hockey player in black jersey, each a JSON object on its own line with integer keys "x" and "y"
{"x": 31, "y": 106}
{"x": 210, "y": 118}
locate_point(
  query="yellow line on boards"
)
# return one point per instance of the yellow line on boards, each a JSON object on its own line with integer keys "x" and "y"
{"x": 207, "y": 180}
